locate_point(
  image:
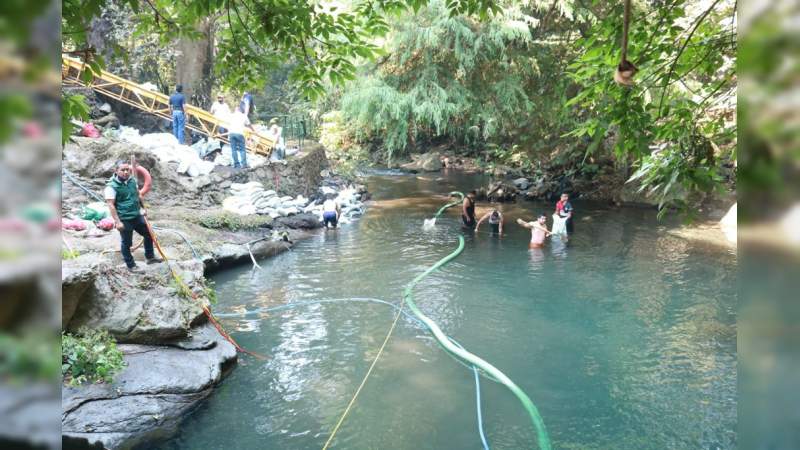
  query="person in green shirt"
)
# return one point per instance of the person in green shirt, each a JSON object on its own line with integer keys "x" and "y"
{"x": 124, "y": 202}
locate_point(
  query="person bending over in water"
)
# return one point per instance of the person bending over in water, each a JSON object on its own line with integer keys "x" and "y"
{"x": 330, "y": 212}
{"x": 468, "y": 210}
{"x": 538, "y": 229}
{"x": 495, "y": 221}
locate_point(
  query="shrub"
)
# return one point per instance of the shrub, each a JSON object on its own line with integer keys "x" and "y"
{"x": 89, "y": 355}
{"x": 230, "y": 221}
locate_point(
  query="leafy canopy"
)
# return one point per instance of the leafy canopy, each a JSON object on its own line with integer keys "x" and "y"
{"x": 444, "y": 75}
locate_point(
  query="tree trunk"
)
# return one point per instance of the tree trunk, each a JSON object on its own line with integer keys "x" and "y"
{"x": 195, "y": 64}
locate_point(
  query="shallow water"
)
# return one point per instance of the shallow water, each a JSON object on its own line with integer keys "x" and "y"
{"x": 624, "y": 338}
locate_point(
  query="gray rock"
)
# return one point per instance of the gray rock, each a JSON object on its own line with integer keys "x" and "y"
{"x": 148, "y": 399}
{"x": 431, "y": 162}
{"x": 74, "y": 284}
{"x": 29, "y": 416}
{"x": 521, "y": 183}
{"x": 303, "y": 221}
{"x": 228, "y": 255}
{"x": 142, "y": 308}
{"x": 428, "y": 162}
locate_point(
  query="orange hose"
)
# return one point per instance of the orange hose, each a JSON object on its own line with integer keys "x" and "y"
{"x": 206, "y": 311}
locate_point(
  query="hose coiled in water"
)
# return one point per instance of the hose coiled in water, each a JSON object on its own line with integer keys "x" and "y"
{"x": 463, "y": 354}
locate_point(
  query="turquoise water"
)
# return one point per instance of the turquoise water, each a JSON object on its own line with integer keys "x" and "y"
{"x": 624, "y": 338}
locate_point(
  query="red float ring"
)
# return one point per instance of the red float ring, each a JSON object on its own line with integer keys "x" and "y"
{"x": 147, "y": 180}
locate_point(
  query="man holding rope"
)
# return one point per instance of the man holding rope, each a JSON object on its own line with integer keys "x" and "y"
{"x": 124, "y": 202}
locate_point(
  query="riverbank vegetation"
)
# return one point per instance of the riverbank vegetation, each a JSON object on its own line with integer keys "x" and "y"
{"x": 525, "y": 84}
{"x": 89, "y": 356}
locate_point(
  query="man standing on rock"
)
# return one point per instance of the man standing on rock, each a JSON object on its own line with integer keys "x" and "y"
{"x": 176, "y": 108}
{"x": 124, "y": 201}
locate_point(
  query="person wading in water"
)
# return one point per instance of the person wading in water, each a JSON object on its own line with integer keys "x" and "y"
{"x": 538, "y": 229}
{"x": 495, "y": 219}
{"x": 468, "y": 210}
{"x": 564, "y": 210}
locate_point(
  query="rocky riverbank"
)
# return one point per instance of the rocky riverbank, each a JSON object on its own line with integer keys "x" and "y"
{"x": 601, "y": 181}
{"x": 174, "y": 357}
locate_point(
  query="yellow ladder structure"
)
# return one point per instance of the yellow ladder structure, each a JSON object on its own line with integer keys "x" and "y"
{"x": 156, "y": 103}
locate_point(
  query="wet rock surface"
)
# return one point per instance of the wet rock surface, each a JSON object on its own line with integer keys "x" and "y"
{"x": 144, "y": 308}
{"x": 174, "y": 357}
{"x": 149, "y": 397}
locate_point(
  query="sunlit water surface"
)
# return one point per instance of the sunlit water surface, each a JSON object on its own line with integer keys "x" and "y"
{"x": 624, "y": 338}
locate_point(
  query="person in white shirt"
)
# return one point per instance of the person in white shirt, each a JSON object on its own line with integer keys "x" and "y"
{"x": 220, "y": 109}
{"x": 276, "y": 132}
{"x": 237, "y": 122}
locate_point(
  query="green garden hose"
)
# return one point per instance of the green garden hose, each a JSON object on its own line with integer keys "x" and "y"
{"x": 441, "y": 338}
{"x": 455, "y": 203}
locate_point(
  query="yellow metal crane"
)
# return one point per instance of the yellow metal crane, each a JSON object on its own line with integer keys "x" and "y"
{"x": 156, "y": 103}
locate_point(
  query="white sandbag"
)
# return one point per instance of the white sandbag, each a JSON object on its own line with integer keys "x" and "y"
{"x": 238, "y": 187}
{"x": 232, "y": 204}
{"x": 193, "y": 170}
{"x": 559, "y": 225}
{"x": 183, "y": 167}
{"x": 151, "y": 140}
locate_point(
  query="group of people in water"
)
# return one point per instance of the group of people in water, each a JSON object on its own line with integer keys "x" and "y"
{"x": 562, "y": 220}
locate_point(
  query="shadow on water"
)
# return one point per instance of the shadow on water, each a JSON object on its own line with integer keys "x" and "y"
{"x": 624, "y": 337}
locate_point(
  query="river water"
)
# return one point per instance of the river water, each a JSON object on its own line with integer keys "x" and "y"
{"x": 624, "y": 338}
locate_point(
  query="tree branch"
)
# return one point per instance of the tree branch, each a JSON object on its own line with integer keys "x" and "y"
{"x": 158, "y": 14}
{"x": 680, "y": 52}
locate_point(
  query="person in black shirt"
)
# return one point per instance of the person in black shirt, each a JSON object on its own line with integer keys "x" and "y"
{"x": 468, "y": 210}
{"x": 176, "y": 109}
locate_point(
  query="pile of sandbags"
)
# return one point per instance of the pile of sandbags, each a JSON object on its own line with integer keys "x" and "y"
{"x": 349, "y": 200}
{"x": 252, "y": 198}
{"x": 226, "y": 159}
{"x": 166, "y": 148}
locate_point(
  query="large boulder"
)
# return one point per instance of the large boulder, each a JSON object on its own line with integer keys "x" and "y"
{"x": 431, "y": 162}
{"x": 29, "y": 416}
{"x": 148, "y": 399}
{"x": 521, "y": 183}
{"x": 75, "y": 282}
{"x": 303, "y": 221}
{"x": 145, "y": 308}
{"x": 500, "y": 191}
{"x": 428, "y": 162}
